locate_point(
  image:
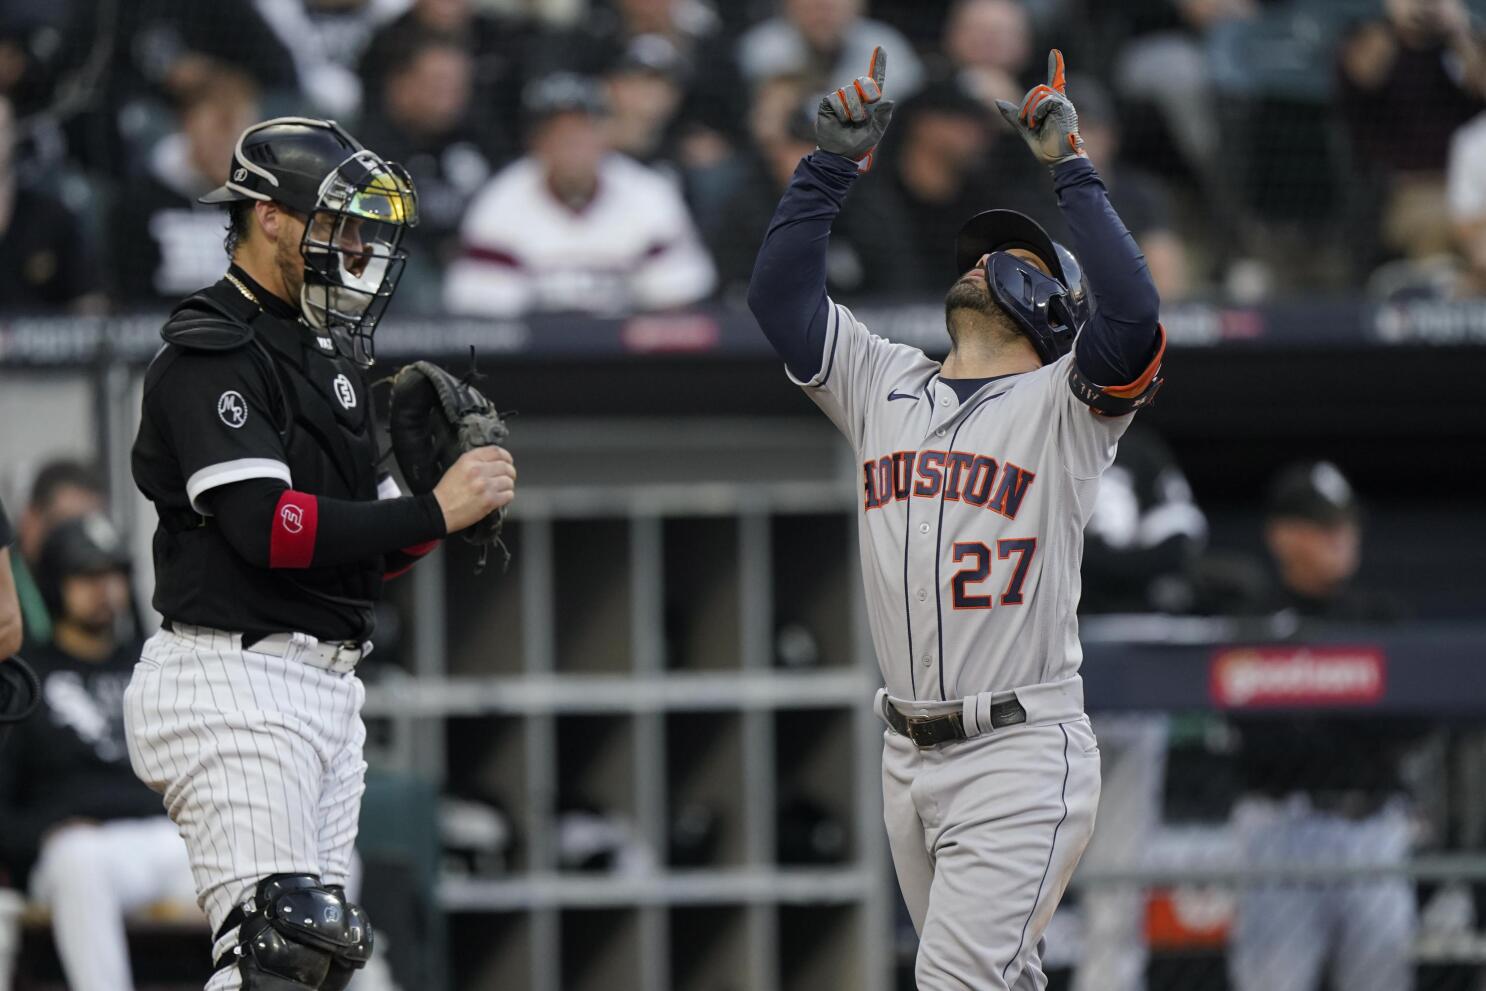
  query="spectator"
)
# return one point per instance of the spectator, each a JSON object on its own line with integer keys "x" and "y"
{"x": 165, "y": 244}
{"x": 1323, "y": 791}
{"x": 124, "y": 68}
{"x": 10, "y": 608}
{"x": 94, "y": 841}
{"x": 645, "y": 90}
{"x": 45, "y": 257}
{"x": 172, "y": 46}
{"x": 29, "y": 32}
{"x": 327, "y": 39}
{"x": 988, "y": 44}
{"x": 706, "y": 121}
{"x": 1408, "y": 81}
{"x": 827, "y": 41}
{"x": 1167, "y": 69}
{"x": 63, "y": 490}
{"x": 425, "y": 122}
{"x": 947, "y": 167}
{"x": 574, "y": 226}
{"x": 703, "y": 130}
{"x": 868, "y": 240}
{"x": 497, "y": 46}
{"x": 1141, "y": 198}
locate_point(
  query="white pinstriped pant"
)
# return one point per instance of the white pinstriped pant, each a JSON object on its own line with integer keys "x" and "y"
{"x": 259, "y": 760}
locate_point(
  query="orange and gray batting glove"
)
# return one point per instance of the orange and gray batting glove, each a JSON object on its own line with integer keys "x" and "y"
{"x": 852, "y": 120}
{"x": 1046, "y": 119}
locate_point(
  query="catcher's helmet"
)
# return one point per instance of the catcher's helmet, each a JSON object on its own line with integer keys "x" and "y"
{"x": 357, "y": 208}
{"x": 1050, "y": 310}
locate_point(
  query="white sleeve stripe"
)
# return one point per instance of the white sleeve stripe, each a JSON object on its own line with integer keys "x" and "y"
{"x": 388, "y": 488}
{"x": 227, "y": 472}
{"x": 828, "y": 349}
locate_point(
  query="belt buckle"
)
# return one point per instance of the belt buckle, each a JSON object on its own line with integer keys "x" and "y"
{"x": 924, "y": 730}
{"x": 918, "y": 732}
{"x": 347, "y": 650}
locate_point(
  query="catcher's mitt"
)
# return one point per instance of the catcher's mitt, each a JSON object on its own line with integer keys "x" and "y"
{"x": 434, "y": 418}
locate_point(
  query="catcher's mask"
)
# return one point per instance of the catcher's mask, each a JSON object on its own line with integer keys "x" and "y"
{"x": 1049, "y": 309}
{"x": 357, "y": 207}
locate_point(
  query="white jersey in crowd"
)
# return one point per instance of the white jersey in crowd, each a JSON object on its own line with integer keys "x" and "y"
{"x": 972, "y": 513}
{"x": 633, "y": 247}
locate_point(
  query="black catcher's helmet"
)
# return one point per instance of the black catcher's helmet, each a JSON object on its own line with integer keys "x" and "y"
{"x": 357, "y": 207}
{"x": 1049, "y": 310}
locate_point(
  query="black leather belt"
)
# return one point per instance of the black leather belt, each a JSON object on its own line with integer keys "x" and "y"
{"x": 931, "y": 731}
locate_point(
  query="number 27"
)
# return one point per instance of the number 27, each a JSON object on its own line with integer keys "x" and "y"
{"x": 980, "y": 570}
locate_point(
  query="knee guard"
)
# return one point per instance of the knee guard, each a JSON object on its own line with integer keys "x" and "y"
{"x": 349, "y": 961}
{"x": 298, "y": 935}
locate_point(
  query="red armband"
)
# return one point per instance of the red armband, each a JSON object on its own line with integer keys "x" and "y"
{"x": 291, "y": 538}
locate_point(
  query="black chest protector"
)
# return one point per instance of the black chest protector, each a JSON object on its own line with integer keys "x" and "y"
{"x": 320, "y": 399}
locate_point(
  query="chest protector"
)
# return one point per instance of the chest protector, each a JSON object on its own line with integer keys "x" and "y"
{"x": 320, "y": 404}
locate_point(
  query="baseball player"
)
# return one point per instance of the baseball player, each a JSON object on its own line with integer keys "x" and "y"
{"x": 978, "y": 476}
{"x": 275, "y": 534}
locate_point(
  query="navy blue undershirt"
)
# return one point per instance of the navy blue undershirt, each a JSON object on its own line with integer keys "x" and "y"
{"x": 787, "y": 293}
{"x": 965, "y": 388}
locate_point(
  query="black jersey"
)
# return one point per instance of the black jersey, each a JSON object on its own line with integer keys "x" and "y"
{"x": 70, "y": 760}
{"x": 279, "y": 403}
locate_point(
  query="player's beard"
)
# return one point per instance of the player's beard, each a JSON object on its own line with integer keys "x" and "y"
{"x": 969, "y": 309}
{"x": 290, "y": 261}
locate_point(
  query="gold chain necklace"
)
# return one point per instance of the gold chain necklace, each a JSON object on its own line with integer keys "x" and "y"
{"x": 243, "y": 289}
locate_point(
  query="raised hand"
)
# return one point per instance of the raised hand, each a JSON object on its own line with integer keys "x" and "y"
{"x": 1047, "y": 120}
{"x": 852, "y": 120}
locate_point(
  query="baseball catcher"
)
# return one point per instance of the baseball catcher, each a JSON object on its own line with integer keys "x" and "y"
{"x": 277, "y": 529}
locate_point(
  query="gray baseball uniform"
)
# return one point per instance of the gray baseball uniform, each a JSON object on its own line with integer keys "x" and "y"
{"x": 971, "y": 533}
{"x": 974, "y": 496}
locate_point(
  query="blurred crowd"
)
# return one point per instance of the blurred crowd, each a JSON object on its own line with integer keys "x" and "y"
{"x": 614, "y": 155}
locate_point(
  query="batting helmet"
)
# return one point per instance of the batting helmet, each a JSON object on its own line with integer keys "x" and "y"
{"x": 357, "y": 208}
{"x": 1049, "y": 309}
{"x": 88, "y": 545}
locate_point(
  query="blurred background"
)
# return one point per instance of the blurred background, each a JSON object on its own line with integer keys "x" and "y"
{"x": 641, "y": 757}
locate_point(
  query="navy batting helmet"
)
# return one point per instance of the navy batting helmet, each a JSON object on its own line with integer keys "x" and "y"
{"x": 1049, "y": 309}
{"x": 357, "y": 208}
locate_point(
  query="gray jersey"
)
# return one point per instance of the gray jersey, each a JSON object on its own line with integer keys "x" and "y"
{"x": 972, "y": 513}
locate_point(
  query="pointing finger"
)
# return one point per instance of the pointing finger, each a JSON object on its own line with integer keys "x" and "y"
{"x": 1055, "y": 76}
{"x": 877, "y": 69}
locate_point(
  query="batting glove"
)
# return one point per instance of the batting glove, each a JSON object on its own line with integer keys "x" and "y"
{"x": 852, "y": 120}
{"x": 1046, "y": 119}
